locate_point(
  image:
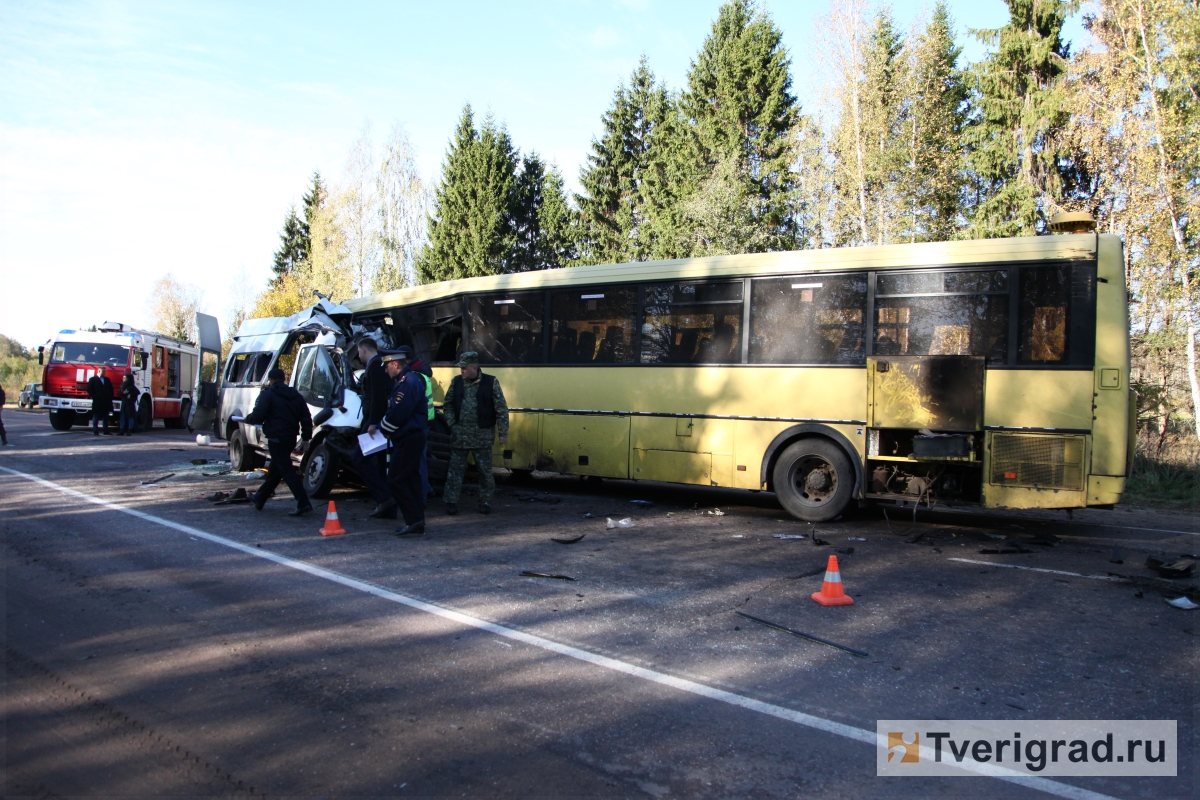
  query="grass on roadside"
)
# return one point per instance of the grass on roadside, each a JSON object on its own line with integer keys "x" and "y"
{"x": 1168, "y": 477}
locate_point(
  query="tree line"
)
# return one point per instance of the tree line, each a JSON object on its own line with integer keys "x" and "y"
{"x": 912, "y": 145}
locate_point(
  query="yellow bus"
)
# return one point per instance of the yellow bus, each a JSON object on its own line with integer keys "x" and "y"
{"x": 991, "y": 373}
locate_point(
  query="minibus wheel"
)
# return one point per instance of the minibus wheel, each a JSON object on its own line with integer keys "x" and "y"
{"x": 814, "y": 479}
{"x": 319, "y": 470}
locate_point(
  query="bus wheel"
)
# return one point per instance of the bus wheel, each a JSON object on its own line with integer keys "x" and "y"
{"x": 319, "y": 471}
{"x": 62, "y": 420}
{"x": 145, "y": 416}
{"x": 241, "y": 455}
{"x": 814, "y": 479}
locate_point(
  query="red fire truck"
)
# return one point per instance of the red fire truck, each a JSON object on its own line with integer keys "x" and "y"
{"x": 163, "y": 368}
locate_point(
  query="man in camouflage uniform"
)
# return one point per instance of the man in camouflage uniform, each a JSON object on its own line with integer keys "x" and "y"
{"x": 476, "y": 411}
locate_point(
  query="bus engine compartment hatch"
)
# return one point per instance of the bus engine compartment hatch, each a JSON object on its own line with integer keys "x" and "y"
{"x": 938, "y": 393}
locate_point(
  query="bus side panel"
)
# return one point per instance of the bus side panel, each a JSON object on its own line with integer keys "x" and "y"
{"x": 1059, "y": 399}
{"x": 584, "y": 444}
{"x": 521, "y": 451}
{"x": 1111, "y": 428}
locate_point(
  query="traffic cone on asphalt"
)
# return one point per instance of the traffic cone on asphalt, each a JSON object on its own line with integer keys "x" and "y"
{"x": 332, "y": 526}
{"x": 831, "y": 593}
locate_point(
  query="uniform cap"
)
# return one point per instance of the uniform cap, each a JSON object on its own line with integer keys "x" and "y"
{"x": 404, "y": 351}
{"x": 392, "y": 355}
{"x": 469, "y": 357}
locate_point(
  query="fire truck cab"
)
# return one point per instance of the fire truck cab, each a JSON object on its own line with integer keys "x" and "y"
{"x": 163, "y": 368}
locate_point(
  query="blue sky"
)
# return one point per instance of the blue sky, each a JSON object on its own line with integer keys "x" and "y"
{"x": 138, "y": 139}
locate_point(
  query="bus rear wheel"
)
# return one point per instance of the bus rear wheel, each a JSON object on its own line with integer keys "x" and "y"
{"x": 62, "y": 420}
{"x": 814, "y": 479}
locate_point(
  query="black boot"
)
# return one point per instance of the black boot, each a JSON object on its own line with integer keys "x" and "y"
{"x": 385, "y": 510}
{"x": 452, "y": 508}
{"x": 416, "y": 529}
{"x": 301, "y": 511}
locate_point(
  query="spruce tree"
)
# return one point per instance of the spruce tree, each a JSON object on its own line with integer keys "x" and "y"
{"x": 740, "y": 110}
{"x": 557, "y": 222}
{"x": 1021, "y": 167}
{"x": 293, "y": 246}
{"x": 612, "y": 216}
{"x": 470, "y": 229}
{"x": 314, "y": 199}
{"x": 525, "y": 217}
{"x": 935, "y": 182}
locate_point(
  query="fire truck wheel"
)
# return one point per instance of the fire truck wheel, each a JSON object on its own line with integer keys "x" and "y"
{"x": 241, "y": 454}
{"x": 145, "y": 415}
{"x": 319, "y": 470}
{"x": 62, "y": 420}
{"x": 814, "y": 479}
{"x": 180, "y": 421}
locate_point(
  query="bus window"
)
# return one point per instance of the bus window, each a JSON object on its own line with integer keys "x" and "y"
{"x": 434, "y": 331}
{"x": 692, "y": 323}
{"x": 236, "y": 368}
{"x": 942, "y": 313}
{"x": 808, "y": 319}
{"x": 1045, "y": 294}
{"x": 592, "y": 325}
{"x": 258, "y": 369}
{"x": 507, "y": 329}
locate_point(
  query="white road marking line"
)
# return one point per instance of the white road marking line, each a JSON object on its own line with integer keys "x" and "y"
{"x": 779, "y": 712}
{"x": 1112, "y": 578}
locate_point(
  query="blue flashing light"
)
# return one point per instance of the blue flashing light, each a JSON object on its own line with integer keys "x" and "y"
{"x": 66, "y": 331}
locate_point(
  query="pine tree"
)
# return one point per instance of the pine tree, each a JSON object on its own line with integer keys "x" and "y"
{"x": 470, "y": 229}
{"x": 293, "y": 246}
{"x": 611, "y": 207}
{"x": 936, "y": 114}
{"x": 739, "y": 110}
{"x": 1022, "y": 168}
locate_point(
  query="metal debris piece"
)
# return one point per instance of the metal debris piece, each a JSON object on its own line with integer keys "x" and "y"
{"x": 239, "y": 496}
{"x": 808, "y": 636}
{"x": 1117, "y": 557}
{"x": 643, "y": 503}
{"x": 159, "y": 478}
{"x": 716, "y": 512}
{"x": 569, "y": 541}
{"x": 994, "y": 535}
{"x": 1184, "y": 603}
{"x": 225, "y": 471}
{"x": 1180, "y": 568}
{"x": 620, "y": 523}
{"x": 1005, "y": 551}
{"x": 857, "y": 538}
{"x": 788, "y": 536}
{"x": 216, "y": 496}
{"x": 818, "y": 542}
{"x": 846, "y": 551}
{"x": 531, "y": 574}
{"x": 199, "y": 460}
{"x": 588, "y": 515}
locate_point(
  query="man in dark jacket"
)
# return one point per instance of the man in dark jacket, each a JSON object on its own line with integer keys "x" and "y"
{"x": 422, "y": 368}
{"x": 374, "y": 391}
{"x": 100, "y": 389}
{"x": 282, "y": 412}
{"x": 405, "y": 424}
{"x": 3, "y": 434}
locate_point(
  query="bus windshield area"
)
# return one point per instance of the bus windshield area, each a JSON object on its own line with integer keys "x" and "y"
{"x": 110, "y": 355}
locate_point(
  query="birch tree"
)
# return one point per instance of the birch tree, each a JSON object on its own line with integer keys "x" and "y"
{"x": 359, "y": 209}
{"x": 402, "y": 212}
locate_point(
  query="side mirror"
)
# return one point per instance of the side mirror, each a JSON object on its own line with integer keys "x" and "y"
{"x": 41, "y": 355}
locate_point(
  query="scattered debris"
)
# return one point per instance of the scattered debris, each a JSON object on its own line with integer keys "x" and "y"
{"x": 199, "y": 461}
{"x": 569, "y": 541}
{"x": 176, "y": 449}
{"x": 846, "y": 551}
{"x": 239, "y": 496}
{"x": 1117, "y": 557}
{"x": 620, "y": 523}
{"x": 530, "y": 574}
{"x": 537, "y": 498}
{"x": 1180, "y": 568}
{"x": 788, "y": 536}
{"x": 857, "y": 538}
{"x": 216, "y": 496}
{"x": 808, "y": 636}
{"x": 256, "y": 474}
{"x": 1184, "y": 603}
{"x": 737, "y": 536}
{"x": 818, "y": 542}
{"x": 994, "y": 535}
{"x": 643, "y": 503}
{"x": 202, "y": 440}
{"x": 159, "y": 478}
{"x": 588, "y": 515}
{"x": 1157, "y": 584}
{"x": 716, "y": 512}
{"x": 225, "y": 471}
{"x": 1010, "y": 550}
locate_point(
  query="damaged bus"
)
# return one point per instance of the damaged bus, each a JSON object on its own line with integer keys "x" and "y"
{"x": 988, "y": 373}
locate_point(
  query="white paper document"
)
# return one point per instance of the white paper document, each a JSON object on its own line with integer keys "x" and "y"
{"x": 371, "y": 444}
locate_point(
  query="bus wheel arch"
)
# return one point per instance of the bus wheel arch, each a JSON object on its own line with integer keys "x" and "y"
{"x": 813, "y": 470}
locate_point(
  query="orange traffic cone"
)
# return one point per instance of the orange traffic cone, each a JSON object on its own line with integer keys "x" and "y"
{"x": 831, "y": 593}
{"x": 332, "y": 526}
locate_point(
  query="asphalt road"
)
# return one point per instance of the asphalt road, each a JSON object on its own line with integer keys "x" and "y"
{"x": 157, "y": 645}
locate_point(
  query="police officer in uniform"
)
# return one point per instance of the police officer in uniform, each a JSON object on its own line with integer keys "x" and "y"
{"x": 375, "y": 391}
{"x": 282, "y": 413}
{"x": 476, "y": 411}
{"x": 405, "y": 424}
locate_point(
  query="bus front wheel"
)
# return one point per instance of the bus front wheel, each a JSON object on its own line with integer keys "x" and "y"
{"x": 814, "y": 480}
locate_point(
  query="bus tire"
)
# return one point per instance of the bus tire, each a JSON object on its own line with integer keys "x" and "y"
{"x": 145, "y": 415}
{"x": 814, "y": 479}
{"x": 319, "y": 471}
{"x": 241, "y": 455}
{"x": 62, "y": 420}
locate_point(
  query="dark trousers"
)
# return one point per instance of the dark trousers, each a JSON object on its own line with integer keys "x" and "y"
{"x": 283, "y": 469}
{"x": 3, "y": 433}
{"x": 97, "y": 417}
{"x": 404, "y": 476}
{"x": 372, "y": 469}
{"x": 127, "y": 419}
